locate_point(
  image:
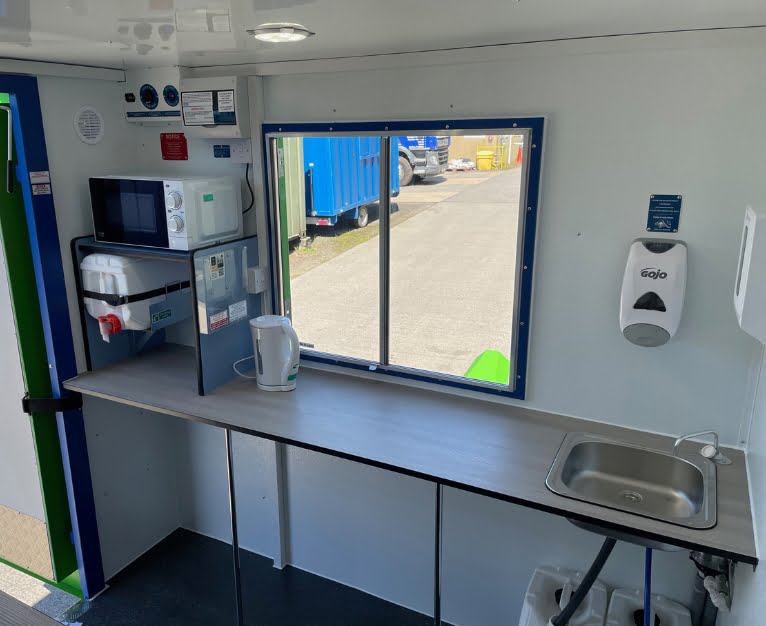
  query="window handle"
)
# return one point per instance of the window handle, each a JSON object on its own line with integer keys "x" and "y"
{"x": 9, "y": 169}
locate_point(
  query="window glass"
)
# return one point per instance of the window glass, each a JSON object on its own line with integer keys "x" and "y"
{"x": 329, "y": 196}
{"x": 433, "y": 286}
{"x": 453, "y": 263}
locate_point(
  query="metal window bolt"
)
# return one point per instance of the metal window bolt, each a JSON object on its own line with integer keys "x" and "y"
{"x": 534, "y": 145}
{"x": 525, "y": 267}
{"x": 447, "y": 126}
{"x": 529, "y": 208}
{"x": 515, "y": 125}
{"x": 521, "y": 323}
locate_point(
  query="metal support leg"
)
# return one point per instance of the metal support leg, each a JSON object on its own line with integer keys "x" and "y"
{"x": 234, "y": 534}
{"x": 438, "y": 557}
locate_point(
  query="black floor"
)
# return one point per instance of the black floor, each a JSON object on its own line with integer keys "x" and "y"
{"x": 187, "y": 580}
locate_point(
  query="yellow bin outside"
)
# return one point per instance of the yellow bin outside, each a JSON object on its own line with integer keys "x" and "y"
{"x": 484, "y": 159}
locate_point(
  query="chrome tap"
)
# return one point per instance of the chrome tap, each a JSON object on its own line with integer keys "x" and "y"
{"x": 709, "y": 452}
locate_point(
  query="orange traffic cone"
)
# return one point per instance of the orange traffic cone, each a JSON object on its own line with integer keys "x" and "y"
{"x": 519, "y": 156}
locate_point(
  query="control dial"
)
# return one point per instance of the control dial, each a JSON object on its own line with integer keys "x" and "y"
{"x": 175, "y": 224}
{"x": 173, "y": 200}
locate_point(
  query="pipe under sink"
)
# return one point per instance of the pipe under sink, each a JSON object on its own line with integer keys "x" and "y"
{"x": 678, "y": 490}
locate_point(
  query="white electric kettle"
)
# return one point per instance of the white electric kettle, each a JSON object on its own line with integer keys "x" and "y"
{"x": 277, "y": 352}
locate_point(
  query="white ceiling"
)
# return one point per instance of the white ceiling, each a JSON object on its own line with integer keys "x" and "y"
{"x": 129, "y": 33}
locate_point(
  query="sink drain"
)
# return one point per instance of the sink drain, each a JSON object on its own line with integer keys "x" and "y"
{"x": 632, "y": 496}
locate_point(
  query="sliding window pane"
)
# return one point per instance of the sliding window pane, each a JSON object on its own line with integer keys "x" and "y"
{"x": 454, "y": 250}
{"x": 329, "y": 192}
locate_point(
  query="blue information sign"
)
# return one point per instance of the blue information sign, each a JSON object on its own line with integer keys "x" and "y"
{"x": 222, "y": 151}
{"x": 664, "y": 213}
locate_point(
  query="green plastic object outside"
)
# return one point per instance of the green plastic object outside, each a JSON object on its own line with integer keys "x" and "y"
{"x": 34, "y": 365}
{"x": 490, "y": 366}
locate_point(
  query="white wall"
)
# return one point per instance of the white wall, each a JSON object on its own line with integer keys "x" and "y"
{"x": 151, "y": 474}
{"x": 749, "y": 601}
{"x": 132, "y": 454}
{"x": 621, "y": 126}
{"x": 71, "y": 162}
{"x": 20, "y": 483}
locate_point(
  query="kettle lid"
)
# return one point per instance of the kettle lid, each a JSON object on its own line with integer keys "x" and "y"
{"x": 269, "y": 321}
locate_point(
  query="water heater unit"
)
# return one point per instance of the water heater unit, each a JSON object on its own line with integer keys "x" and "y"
{"x": 653, "y": 291}
{"x": 152, "y": 95}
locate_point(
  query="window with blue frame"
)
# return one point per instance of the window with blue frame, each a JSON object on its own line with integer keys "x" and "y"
{"x": 407, "y": 248}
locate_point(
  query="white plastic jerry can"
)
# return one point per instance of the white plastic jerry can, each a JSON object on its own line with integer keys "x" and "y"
{"x": 627, "y": 603}
{"x": 550, "y": 590}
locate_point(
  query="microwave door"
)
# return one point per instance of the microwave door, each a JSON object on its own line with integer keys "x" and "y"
{"x": 129, "y": 211}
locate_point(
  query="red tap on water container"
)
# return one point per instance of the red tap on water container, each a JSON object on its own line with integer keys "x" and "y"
{"x": 109, "y": 325}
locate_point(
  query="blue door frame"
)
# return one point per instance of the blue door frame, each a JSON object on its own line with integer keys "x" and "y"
{"x": 49, "y": 274}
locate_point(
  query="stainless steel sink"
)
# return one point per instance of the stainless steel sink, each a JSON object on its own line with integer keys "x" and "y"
{"x": 675, "y": 489}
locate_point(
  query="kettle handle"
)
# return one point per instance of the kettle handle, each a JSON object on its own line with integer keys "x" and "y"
{"x": 295, "y": 349}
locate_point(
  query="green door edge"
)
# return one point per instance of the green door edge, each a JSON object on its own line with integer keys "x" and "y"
{"x": 34, "y": 366}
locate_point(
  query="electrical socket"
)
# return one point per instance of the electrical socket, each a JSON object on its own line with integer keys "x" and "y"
{"x": 257, "y": 279}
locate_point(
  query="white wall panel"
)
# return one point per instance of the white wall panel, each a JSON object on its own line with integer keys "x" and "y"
{"x": 749, "y": 600}
{"x": 133, "y": 458}
{"x": 621, "y": 127}
{"x": 19, "y": 476}
{"x": 362, "y": 526}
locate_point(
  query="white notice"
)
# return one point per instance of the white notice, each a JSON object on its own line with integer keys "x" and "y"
{"x": 40, "y": 178}
{"x": 41, "y": 190}
{"x": 238, "y": 310}
{"x": 226, "y": 101}
{"x": 197, "y": 107}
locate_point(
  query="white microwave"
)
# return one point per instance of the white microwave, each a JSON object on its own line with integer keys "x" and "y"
{"x": 178, "y": 213}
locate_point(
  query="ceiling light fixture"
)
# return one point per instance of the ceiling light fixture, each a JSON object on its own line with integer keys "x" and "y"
{"x": 280, "y": 32}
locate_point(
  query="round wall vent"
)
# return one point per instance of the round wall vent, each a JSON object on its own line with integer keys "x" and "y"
{"x": 89, "y": 125}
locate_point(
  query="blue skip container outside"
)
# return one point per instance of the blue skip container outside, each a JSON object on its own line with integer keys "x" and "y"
{"x": 343, "y": 177}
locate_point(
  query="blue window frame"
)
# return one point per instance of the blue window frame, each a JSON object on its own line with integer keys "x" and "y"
{"x": 532, "y": 128}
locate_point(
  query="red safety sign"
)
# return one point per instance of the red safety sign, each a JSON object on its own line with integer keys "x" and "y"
{"x": 174, "y": 147}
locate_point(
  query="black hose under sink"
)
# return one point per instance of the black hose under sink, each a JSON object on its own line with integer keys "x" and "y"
{"x": 562, "y": 619}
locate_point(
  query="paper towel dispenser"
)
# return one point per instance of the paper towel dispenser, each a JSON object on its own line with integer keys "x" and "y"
{"x": 750, "y": 285}
{"x": 653, "y": 291}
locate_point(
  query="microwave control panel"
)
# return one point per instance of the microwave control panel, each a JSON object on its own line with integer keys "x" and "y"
{"x": 175, "y": 211}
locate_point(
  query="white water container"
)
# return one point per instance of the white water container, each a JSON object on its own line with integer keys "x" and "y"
{"x": 549, "y": 583}
{"x": 128, "y": 278}
{"x": 625, "y": 604}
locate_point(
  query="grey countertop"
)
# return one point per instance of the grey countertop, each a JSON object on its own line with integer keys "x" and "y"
{"x": 491, "y": 449}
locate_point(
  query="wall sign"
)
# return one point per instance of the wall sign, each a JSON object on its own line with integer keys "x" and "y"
{"x": 209, "y": 108}
{"x": 222, "y": 151}
{"x": 664, "y": 213}
{"x": 40, "y": 178}
{"x": 174, "y": 147}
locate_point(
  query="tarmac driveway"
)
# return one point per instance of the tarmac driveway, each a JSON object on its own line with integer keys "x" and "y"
{"x": 452, "y": 279}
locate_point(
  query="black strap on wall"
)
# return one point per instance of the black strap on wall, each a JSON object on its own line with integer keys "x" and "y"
{"x": 70, "y": 402}
{"x": 113, "y": 299}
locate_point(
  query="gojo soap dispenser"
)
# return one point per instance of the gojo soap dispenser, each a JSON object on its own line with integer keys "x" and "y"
{"x": 653, "y": 291}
